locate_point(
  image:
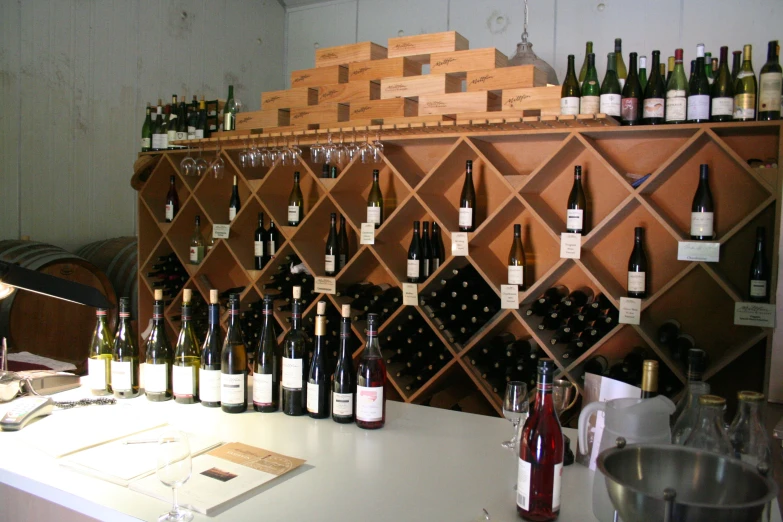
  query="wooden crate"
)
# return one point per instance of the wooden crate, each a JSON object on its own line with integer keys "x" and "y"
{"x": 320, "y": 114}
{"x": 374, "y": 70}
{"x": 459, "y": 102}
{"x": 349, "y": 92}
{"x": 505, "y": 78}
{"x": 415, "y": 86}
{"x": 420, "y": 47}
{"x": 395, "y": 107}
{"x": 429, "y": 118}
{"x": 319, "y": 76}
{"x": 464, "y": 61}
{"x": 263, "y": 119}
{"x": 345, "y": 54}
{"x": 288, "y": 98}
{"x": 546, "y": 99}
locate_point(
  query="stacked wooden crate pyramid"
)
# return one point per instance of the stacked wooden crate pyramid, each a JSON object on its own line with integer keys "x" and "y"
{"x": 365, "y": 84}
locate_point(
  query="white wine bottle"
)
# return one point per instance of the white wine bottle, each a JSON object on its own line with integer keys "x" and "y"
{"x": 196, "y": 244}
{"x": 677, "y": 92}
{"x": 745, "y": 88}
{"x": 770, "y": 82}
{"x": 703, "y": 209}
{"x": 516, "y": 260}
{"x": 620, "y": 70}
{"x": 723, "y": 90}
{"x": 611, "y": 92}
{"x": 295, "y": 204}
{"x": 100, "y": 356}
{"x": 125, "y": 356}
{"x": 233, "y": 363}
{"x": 157, "y": 371}
{"x": 570, "y": 91}
{"x": 375, "y": 202}
{"x": 294, "y": 356}
{"x": 590, "y": 102}
{"x": 209, "y": 372}
{"x": 187, "y": 358}
{"x": 577, "y": 205}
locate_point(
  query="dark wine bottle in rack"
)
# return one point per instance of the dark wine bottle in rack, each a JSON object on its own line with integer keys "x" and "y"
{"x": 168, "y": 274}
{"x": 544, "y": 303}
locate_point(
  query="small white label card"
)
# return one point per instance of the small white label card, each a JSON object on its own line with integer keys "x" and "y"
{"x": 754, "y": 314}
{"x": 698, "y": 251}
{"x": 570, "y": 245}
{"x": 630, "y": 310}
{"x": 410, "y": 294}
{"x": 325, "y": 285}
{"x": 459, "y": 243}
{"x": 221, "y": 231}
{"x": 509, "y": 297}
{"x": 367, "y": 236}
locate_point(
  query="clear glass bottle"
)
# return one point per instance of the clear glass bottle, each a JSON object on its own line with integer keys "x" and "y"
{"x": 747, "y": 434}
{"x": 709, "y": 433}
{"x": 696, "y": 364}
{"x": 690, "y": 413}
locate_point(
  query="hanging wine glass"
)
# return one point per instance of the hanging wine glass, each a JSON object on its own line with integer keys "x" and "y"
{"x": 353, "y": 148}
{"x": 377, "y": 149}
{"x": 188, "y": 165}
{"x": 285, "y": 154}
{"x": 244, "y": 157}
{"x": 274, "y": 153}
{"x": 201, "y": 163}
{"x": 296, "y": 151}
{"x": 366, "y": 150}
{"x": 255, "y": 155}
{"x": 218, "y": 165}
{"x": 341, "y": 152}
{"x": 264, "y": 154}
{"x": 329, "y": 150}
{"x": 316, "y": 151}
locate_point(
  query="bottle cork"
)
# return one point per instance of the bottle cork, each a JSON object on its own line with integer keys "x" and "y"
{"x": 321, "y": 308}
{"x": 213, "y": 296}
{"x": 158, "y": 294}
{"x": 187, "y": 294}
{"x": 297, "y": 292}
{"x": 346, "y": 311}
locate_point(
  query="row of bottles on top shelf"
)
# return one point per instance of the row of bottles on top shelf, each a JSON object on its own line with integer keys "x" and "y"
{"x": 710, "y": 94}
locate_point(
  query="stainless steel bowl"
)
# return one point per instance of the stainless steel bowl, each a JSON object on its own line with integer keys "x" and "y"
{"x": 704, "y": 486}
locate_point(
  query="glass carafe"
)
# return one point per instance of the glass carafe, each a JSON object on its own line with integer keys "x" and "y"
{"x": 690, "y": 413}
{"x": 709, "y": 433}
{"x": 747, "y": 434}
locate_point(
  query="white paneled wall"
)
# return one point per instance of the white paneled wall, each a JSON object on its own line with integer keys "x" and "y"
{"x": 75, "y": 76}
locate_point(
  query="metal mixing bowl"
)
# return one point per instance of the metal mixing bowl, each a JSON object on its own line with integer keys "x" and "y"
{"x": 703, "y": 486}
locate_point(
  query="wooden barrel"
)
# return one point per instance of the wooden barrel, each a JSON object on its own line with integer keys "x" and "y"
{"x": 44, "y": 325}
{"x": 117, "y": 259}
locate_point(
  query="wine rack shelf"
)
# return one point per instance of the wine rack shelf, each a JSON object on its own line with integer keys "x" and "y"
{"x": 522, "y": 173}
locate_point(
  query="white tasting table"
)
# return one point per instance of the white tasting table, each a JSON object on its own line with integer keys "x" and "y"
{"x": 426, "y": 464}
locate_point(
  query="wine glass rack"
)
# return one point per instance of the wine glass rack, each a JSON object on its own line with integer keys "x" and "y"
{"x": 523, "y": 174}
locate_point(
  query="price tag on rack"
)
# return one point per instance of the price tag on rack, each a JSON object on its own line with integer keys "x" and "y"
{"x": 630, "y": 310}
{"x": 509, "y": 297}
{"x": 754, "y": 314}
{"x": 221, "y": 231}
{"x": 410, "y": 294}
{"x": 367, "y": 236}
{"x": 698, "y": 251}
{"x": 325, "y": 285}
{"x": 459, "y": 243}
{"x": 570, "y": 245}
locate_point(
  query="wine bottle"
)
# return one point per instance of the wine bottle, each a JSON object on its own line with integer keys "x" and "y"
{"x": 233, "y": 363}
{"x": 171, "y": 129}
{"x": 622, "y": 73}
{"x": 146, "y": 131}
{"x": 172, "y": 200}
{"x": 564, "y": 334}
{"x": 187, "y": 357}
{"x": 702, "y": 209}
{"x": 570, "y": 92}
{"x": 736, "y": 64}
{"x": 590, "y": 102}
{"x": 758, "y": 288}
{"x": 196, "y": 252}
{"x": 426, "y": 251}
{"x": 611, "y": 92}
{"x": 192, "y": 118}
{"x": 100, "y": 356}
{"x": 467, "y": 201}
{"x": 259, "y": 242}
{"x": 643, "y": 73}
{"x": 266, "y": 389}
{"x": 632, "y": 96}
{"x": 318, "y": 380}
{"x": 585, "y": 65}
{"x": 156, "y": 118}
{"x": 344, "y": 378}
{"x": 745, "y": 88}
{"x": 637, "y": 267}
{"x": 436, "y": 243}
{"x": 723, "y": 90}
{"x": 332, "y": 247}
{"x": 649, "y": 379}
{"x": 538, "y": 480}
{"x": 547, "y": 300}
{"x": 577, "y": 299}
{"x": 672, "y": 64}
{"x": 596, "y": 365}
{"x": 770, "y": 85}
{"x": 699, "y": 91}
{"x": 157, "y": 371}
{"x": 375, "y": 202}
{"x": 164, "y": 128}
{"x": 294, "y": 354}
{"x": 371, "y": 381}
{"x": 654, "y": 94}
{"x": 714, "y": 69}
{"x": 342, "y": 241}
{"x": 677, "y": 92}
{"x": 516, "y": 260}
{"x": 233, "y": 204}
{"x": 230, "y": 111}
{"x": 577, "y": 205}
{"x": 201, "y": 121}
{"x": 209, "y": 373}
{"x": 295, "y": 204}
{"x": 708, "y": 67}
{"x": 414, "y": 256}
{"x": 125, "y": 356}
{"x": 692, "y": 75}
{"x": 272, "y": 239}
{"x": 182, "y": 123}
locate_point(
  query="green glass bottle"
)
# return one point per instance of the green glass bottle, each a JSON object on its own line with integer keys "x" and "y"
{"x": 157, "y": 127}
{"x": 633, "y": 95}
{"x": 146, "y": 131}
{"x": 722, "y": 90}
{"x": 171, "y": 127}
{"x": 672, "y": 63}
{"x": 611, "y": 92}
{"x": 295, "y": 204}
{"x": 570, "y": 91}
{"x": 266, "y": 385}
{"x": 745, "y": 88}
{"x": 125, "y": 356}
{"x": 590, "y": 102}
{"x": 157, "y": 372}
{"x": 233, "y": 363}
{"x": 622, "y": 72}
{"x": 100, "y": 356}
{"x": 708, "y": 67}
{"x": 187, "y": 357}
{"x": 699, "y": 91}
{"x": 196, "y": 253}
{"x": 585, "y": 65}
{"x": 654, "y": 95}
{"x": 735, "y": 66}
{"x": 677, "y": 92}
{"x": 230, "y": 111}
{"x": 770, "y": 80}
{"x": 643, "y": 72}
{"x": 201, "y": 121}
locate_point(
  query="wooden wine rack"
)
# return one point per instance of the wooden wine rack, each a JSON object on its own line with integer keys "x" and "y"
{"x": 521, "y": 176}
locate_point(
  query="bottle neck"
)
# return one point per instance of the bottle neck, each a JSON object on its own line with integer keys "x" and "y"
{"x": 571, "y": 70}
{"x": 772, "y": 52}
{"x": 214, "y": 316}
{"x": 233, "y": 317}
{"x": 544, "y": 398}
{"x": 157, "y": 313}
{"x": 710, "y": 414}
{"x": 760, "y": 245}
{"x": 296, "y": 315}
{"x": 186, "y": 315}
{"x": 373, "y": 348}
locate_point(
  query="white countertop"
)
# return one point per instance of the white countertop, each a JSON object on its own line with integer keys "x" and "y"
{"x": 426, "y": 464}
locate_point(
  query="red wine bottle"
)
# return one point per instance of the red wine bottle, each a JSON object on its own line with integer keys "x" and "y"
{"x": 577, "y": 205}
{"x": 703, "y": 208}
{"x": 266, "y": 389}
{"x": 259, "y": 244}
{"x": 172, "y": 200}
{"x": 294, "y": 354}
{"x": 371, "y": 381}
{"x": 413, "y": 271}
{"x": 637, "y": 267}
{"x": 467, "y": 201}
{"x": 344, "y": 378}
{"x": 758, "y": 291}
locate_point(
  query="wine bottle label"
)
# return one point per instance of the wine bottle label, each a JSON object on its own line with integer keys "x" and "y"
{"x": 653, "y": 108}
{"x": 699, "y": 107}
{"x": 329, "y": 263}
{"x": 292, "y": 373}
{"x": 523, "y": 484}
{"x": 293, "y": 214}
{"x": 171, "y": 136}
{"x": 232, "y": 213}
{"x": 199, "y": 134}
{"x": 637, "y": 281}
{"x": 262, "y": 389}
{"x": 723, "y": 106}
{"x": 610, "y": 104}
{"x": 414, "y": 267}
{"x": 569, "y": 105}
{"x": 435, "y": 263}
{"x": 271, "y": 248}
{"x": 258, "y": 248}
{"x": 209, "y": 385}
{"x": 96, "y": 370}
{"x": 556, "y": 481}
{"x": 184, "y": 381}
{"x": 629, "y": 109}
{"x": 342, "y": 404}
{"x": 121, "y": 375}
{"x": 312, "y": 397}
{"x": 676, "y": 105}
{"x": 343, "y": 261}
{"x": 516, "y": 275}
{"x": 701, "y": 224}
{"x": 465, "y": 217}
{"x": 145, "y": 143}
{"x": 169, "y": 212}
{"x": 228, "y": 121}
{"x": 232, "y": 388}
{"x": 191, "y": 130}
{"x": 369, "y": 403}
{"x": 574, "y": 219}
{"x": 374, "y": 215}
{"x": 156, "y": 377}
{"x": 622, "y": 82}
{"x": 769, "y": 91}
{"x": 156, "y": 141}
{"x": 194, "y": 254}
{"x": 589, "y": 105}
{"x": 757, "y": 289}
{"x": 182, "y": 135}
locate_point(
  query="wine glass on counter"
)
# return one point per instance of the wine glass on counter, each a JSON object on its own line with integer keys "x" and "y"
{"x": 515, "y": 407}
{"x": 173, "y": 470}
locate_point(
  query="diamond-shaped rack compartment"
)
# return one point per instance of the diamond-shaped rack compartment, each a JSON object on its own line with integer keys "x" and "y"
{"x": 199, "y": 312}
{"x": 155, "y": 262}
{"x": 277, "y": 280}
{"x": 182, "y": 229}
{"x": 414, "y": 159}
{"x": 311, "y": 236}
{"x": 394, "y": 239}
{"x": 757, "y": 142}
{"x": 547, "y": 188}
{"x": 177, "y": 157}
{"x": 490, "y": 247}
{"x": 215, "y": 194}
{"x": 442, "y": 189}
{"x": 220, "y": 270}
{"x": 276, "y": 189}
{"x": 241, "y": 240}
{"x": 152, "y": 233}
{"x": 726, "y": 381}
{"x": 728, "y": 178}
{"x": 156, "y": 189}
{"x": 606, "y": 252}
{"x": 454, "y": 389}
